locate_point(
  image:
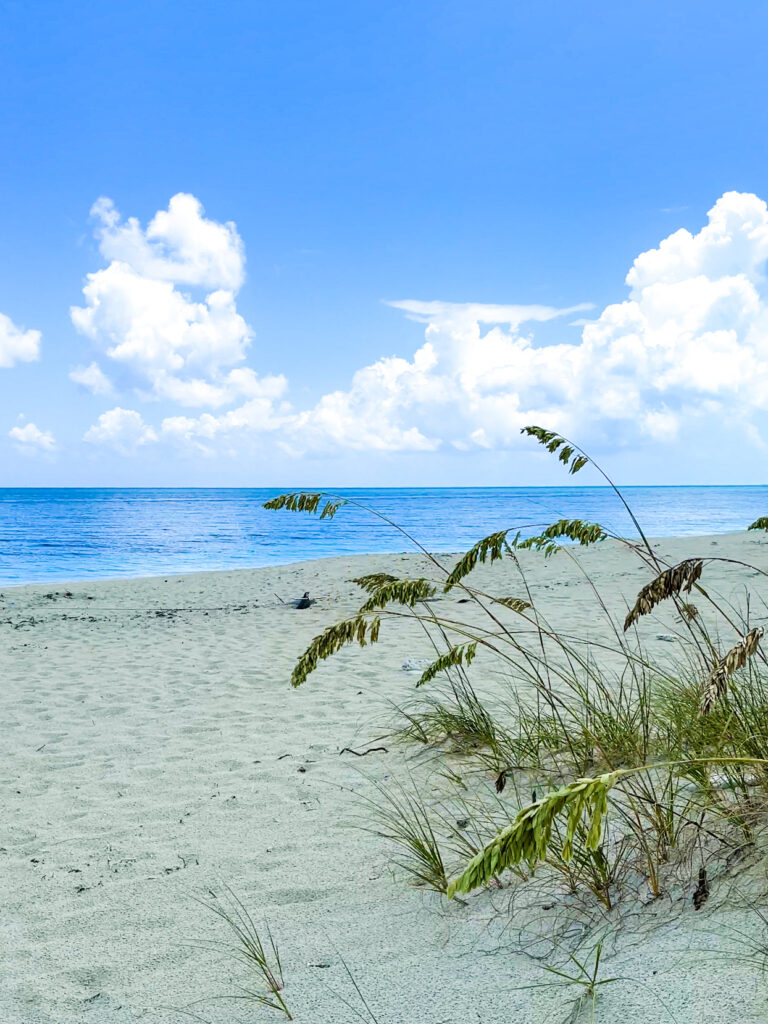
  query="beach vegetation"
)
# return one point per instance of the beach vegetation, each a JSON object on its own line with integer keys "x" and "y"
{"x": 594, "y": 762}
{"x": 252, "y": 948}
{"x": 580, "y": 974}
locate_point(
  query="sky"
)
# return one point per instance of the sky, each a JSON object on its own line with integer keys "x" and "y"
{"x": 363, "y": 244}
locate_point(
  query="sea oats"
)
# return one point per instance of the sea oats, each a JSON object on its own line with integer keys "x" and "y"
{"x": 373, "y": 581}
{"x": 677, "y": 580}
{"x": 462, "y": 654}
{"x": 406, "y": 592}
{"x": 552, "y": 442}
{"x": 490, "y": 548}
{"x": 688, "y": 611}
{"x": 364, "y": 631}
{"x": 305, "y": 501}
{"x": 527, "y": 838}
{"x": 517, "y": 604}
{"x": 574, "y": 529}
{"x": 736, "y": 658}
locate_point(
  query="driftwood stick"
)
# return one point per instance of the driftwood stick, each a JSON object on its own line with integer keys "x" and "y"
{"x": 359, "y": 753}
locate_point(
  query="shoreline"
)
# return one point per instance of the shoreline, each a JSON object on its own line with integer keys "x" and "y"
{"x": 80, "y": 581}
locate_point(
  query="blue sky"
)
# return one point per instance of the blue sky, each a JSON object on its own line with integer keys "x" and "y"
{"x": 494, "y": 170}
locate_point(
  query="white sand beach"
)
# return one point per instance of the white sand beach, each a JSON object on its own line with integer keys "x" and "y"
{"x": 153, "y": 750}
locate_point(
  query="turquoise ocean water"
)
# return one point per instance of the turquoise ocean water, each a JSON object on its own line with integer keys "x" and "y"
{"x": 50, "y": 535}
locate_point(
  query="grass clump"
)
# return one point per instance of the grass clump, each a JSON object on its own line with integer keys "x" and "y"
{"x": 583, "y": 975}
{"x": 255, "y": 950}
{"x": 400, "y": 815}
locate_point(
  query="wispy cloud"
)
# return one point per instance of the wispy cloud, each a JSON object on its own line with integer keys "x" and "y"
{"x": 16, "y": 344}
{"x": 30, "y": 439}
{"x": 92, "y": 378}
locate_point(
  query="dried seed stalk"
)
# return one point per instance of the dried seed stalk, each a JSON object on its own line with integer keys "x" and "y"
{"x": 677, "y": 580}
{"x": 517, "y": 604}
{"x": 736, "y": 658}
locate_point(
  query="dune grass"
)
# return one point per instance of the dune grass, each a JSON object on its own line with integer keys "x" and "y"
{"x": 583, "y": 975}
{"x": 254, "y": 949}
{"x": 615, "y": 782}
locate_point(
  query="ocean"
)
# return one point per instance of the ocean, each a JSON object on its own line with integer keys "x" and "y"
{"x": 58, "y": 534}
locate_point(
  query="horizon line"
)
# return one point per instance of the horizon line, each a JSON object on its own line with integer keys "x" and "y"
{"x": 367, "y": 487}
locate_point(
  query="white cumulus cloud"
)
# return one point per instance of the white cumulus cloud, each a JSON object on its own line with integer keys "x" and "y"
{"x": 165, "y": 308}
{"x": 121, "y": 429}
{"x": 179, "y": 244}
{"x": 30, "y": 438}
{"x": 151, "y": 327}
{"x": 16, "y": 344}
{"x": 689, "y": 342}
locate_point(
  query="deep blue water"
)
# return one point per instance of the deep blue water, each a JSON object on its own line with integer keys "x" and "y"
{"x": 61, "y": 534}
